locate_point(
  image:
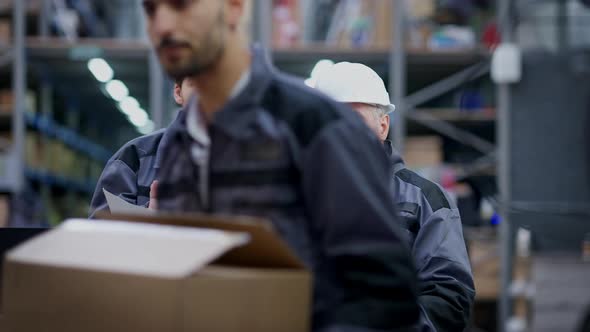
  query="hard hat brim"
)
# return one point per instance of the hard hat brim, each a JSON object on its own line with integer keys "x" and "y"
{"x": 391, "y": 108}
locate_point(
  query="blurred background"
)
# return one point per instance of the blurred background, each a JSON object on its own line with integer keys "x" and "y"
{"x": 504, "y": 129}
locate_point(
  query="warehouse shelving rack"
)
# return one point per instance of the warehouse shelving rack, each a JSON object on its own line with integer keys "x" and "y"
{"x": 450, "y": 70}
{"x": 50, "y": 59}
{"x": 438, "y": 73}
{"x": 12, "y": 161}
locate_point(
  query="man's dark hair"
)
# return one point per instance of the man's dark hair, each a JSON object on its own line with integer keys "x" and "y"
{"x": 179, "y": 81}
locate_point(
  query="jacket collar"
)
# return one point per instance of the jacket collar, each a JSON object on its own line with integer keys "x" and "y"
{"x": 238, "y": 111}
{"x": 168, "y": 135}
{"x": 394, "y": 156}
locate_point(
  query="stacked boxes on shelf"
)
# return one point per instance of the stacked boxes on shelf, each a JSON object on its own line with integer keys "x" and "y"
{"x": 423, "y": 152}
{"x": 347, "y": 23}
{"x": 6, "y": 101}
{"x": 55, "y": 148}
{"x": 33, "y": 150}
{"x": 432, "y": 25}
{"x": 4, "y": 210}
{"x": 5, "y": 31}
{"x": 286, "y": 23}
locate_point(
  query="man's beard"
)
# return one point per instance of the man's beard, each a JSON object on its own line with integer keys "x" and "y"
{"x": 199, "y": 61}
{"x": 209, "y": 53}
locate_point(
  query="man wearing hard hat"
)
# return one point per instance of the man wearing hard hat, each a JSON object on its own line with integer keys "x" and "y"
{"x": 431, "y": 220}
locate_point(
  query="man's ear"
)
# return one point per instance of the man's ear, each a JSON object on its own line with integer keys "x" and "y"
{"x": 234, "y": 13}
{"x": 177, "y": 94}
{"x": 384, "y": 127}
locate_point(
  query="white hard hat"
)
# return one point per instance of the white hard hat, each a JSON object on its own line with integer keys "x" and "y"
{"x": 348, "y": 82}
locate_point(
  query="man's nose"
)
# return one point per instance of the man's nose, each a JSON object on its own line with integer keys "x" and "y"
{"x": 164, "y": 20}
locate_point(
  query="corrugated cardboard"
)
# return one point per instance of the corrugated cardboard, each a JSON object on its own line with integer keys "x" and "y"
{"x": 423, "y": 151}
{"x": 4, "y": 210}
{"x": 265, "y": 248}
{"x": 485, "y": 263}
{"x": 6, "y": 101}
{"x": 5, "y": 32}
{"x": 383, "y": 24}
{"x": 121, "y": 276}
{"x": 486, "y": 269}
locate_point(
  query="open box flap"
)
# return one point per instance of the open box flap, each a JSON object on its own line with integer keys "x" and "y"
{"x": 166, "y": 251}
{"x": 265, "y": 248}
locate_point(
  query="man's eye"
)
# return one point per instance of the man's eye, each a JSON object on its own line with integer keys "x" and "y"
{"x": 179, "y": 4}
{"x": 149, "y": 6}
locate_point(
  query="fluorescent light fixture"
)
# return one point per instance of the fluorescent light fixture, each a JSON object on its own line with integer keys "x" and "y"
{"x": 117, "y": 90}
{"x": 138, "y": 118}
{"x": 129, "y": 105}
{"x": 148, "y": 128}
{"x": 101, "y": 70}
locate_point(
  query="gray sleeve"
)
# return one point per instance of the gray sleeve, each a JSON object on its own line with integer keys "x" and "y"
{"x": 118, "y": 179}
{"x": 349, "y": 199}
{"x": 445, "y": 279}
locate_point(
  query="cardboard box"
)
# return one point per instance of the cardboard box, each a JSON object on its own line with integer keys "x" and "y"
{"x": 5, "y": 140}
{"x": 485, "y": 264}
{"x": 4, "y": 211}
{"x": 6, "y": 101}
{"x": 33, "y": 150}
{"x": 123, "y": 276}
{"x": 423, "y": 151}
{"x": 5, "y": 32}
{"x": 383, "y": 24}
{"x": 421, "y": 9}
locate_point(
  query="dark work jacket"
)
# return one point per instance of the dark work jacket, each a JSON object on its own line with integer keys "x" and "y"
{"x": 131, "y": 170}
{"x": 432, "y": 226}
{"x": 284, "y": 152}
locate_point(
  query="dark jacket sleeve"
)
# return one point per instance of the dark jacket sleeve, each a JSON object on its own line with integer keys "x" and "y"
{"x": 445, "y": 278}
{"x": 117, "y": 178}
{"x": 349, "y": 199}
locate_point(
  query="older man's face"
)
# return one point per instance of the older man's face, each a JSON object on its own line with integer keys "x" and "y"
{"x": 377, "y": 122}
{"x": 189, "y": 35}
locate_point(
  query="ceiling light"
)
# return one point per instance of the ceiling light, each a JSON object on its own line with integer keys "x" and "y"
{"x": 138, "y": 118}
{"x": 117, "y": 90}
{"x": 101, "y": 70}
{"x": 129, "y": 105}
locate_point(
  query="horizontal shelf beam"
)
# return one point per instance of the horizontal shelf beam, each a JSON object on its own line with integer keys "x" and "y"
{"x": 448, "y": 84}
{"x": 415, "y": 56}
{"x": 445, "y": 128}
{"x": 478, "y": 166}
{"x": 86, "y": 48}
{"x": 50, "y": 179}
{"x": 49, "y": 128}
{"x": 456, "y": 115}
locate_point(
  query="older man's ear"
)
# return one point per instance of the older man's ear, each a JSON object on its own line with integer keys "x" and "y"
{"x": 384, "y": 127}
